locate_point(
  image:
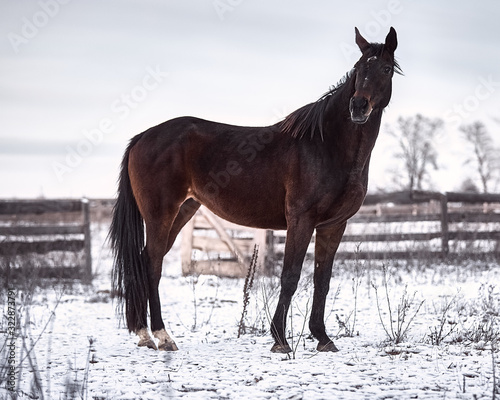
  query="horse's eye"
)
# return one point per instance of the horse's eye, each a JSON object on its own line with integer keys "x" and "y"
{"x": 387, "y": 70}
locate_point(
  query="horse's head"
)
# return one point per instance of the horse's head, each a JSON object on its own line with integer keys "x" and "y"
{"x": 373, "y": 75}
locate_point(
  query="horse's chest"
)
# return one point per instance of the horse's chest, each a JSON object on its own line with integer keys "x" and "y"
{"x": 345, "y": 205}
{"x": 352, "y": 199}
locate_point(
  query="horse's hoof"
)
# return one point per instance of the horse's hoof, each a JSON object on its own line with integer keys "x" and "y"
{"x": 165, "y": 341}
{"x": 330, "y": 346}
{"x": 145, "y": 340}
{"x": 281, "y": 348}
{"x": 147, "y": 343}
{"x": 168, "y": 346}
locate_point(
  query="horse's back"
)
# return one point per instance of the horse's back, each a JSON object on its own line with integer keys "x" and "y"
{"x": 238, "y": 172}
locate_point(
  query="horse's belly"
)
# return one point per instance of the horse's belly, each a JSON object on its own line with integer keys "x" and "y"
{"x": 252, "y": 212}
{"x": 260, "y": 221}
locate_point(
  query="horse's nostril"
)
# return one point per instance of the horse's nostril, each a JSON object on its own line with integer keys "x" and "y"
{"x": 359, "y": 104}
{"x": 360, "y": 109}
{"x": 365, "y": 103}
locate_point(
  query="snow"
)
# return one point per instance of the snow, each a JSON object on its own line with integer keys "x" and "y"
{"x": 67, "y": 329}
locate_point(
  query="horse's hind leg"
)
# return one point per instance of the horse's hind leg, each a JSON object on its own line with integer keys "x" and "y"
{"x": 186, "y": 212}
{"x": 161, "y": 236}
{"x": 157, "y": 232}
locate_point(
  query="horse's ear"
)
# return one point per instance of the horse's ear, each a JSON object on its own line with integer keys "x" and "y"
{"x": 391, "y": 41}
{"x": 361, "y": 41}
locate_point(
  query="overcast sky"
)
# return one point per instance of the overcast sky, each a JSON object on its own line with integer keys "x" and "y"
{"x": 79, "y": 78}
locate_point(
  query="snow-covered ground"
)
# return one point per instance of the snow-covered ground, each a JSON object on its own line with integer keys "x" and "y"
{"x": 78, "y": 350}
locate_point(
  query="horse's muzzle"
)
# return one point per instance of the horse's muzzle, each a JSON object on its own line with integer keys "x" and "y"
{"x": 360, "y": 109}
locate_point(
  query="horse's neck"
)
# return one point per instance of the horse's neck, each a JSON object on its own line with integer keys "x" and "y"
{"x": 354, "y": 142}
{"x": 367, "y": 138}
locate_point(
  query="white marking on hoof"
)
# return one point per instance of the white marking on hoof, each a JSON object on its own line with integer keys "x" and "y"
{"x": 165, "y": 341}
{"x": 145, "y": 339}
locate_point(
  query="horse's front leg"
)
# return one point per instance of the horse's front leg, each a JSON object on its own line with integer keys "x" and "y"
{"x": 327, "y": 243}
{"x": 297, "y": 240}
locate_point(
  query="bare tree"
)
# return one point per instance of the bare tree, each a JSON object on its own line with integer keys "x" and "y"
{"x": 416, "y": 136}
{"x": 468, "y": 185}
{"x": 485, "y": 158}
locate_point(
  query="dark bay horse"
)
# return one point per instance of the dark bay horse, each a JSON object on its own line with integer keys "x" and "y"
{"x": 308, "y": 172}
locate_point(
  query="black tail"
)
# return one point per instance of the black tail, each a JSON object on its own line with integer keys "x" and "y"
{"x": 130, "y": 270}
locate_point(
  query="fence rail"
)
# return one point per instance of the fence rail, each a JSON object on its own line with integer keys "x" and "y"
{"x": 463, "y": 222}
{"x": 211, "y": 245}
{"x": 44, "y": 226}
{"x": 401, "y": 225}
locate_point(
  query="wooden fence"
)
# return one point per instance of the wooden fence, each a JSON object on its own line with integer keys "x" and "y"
{"x": 34, "y": 228}
{"x": 211, "y": 245}
{"x": 428, "y": 225}
{"x": 403, "y": 225}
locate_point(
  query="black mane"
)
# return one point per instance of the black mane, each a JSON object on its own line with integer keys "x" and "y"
{"x": 309, "y": 118}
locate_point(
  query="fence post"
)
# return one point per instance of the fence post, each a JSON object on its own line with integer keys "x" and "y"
{"x": 87, "y": 244}
{"x": 444, "y": 225}
{"x": 187, "y": 247}
{"x": 261, "y": 240}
